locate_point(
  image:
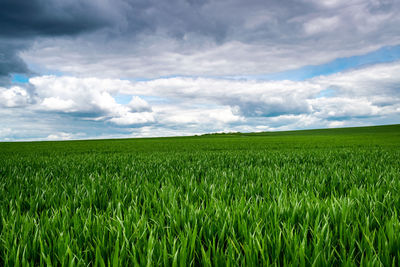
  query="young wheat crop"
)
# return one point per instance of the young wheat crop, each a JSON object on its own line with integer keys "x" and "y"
{"x": 323, "y": 198}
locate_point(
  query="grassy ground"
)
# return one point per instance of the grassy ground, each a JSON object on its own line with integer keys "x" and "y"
{"x": 319, "y": 197}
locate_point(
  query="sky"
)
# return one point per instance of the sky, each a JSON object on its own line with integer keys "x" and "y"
{"x": 74, "y": 69}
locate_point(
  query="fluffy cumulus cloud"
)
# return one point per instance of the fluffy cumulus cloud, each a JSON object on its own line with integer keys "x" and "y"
{"x": 173, "y": 106}
{"x": 64, "y": 136}
{"x": 90, "y": 99}
{"x": 250, "y": 98}
{"x": 15, "y": 96}
{"x": 116, "y": 68}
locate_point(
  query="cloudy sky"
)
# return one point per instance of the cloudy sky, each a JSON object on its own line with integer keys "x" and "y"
{"x": 75, "y": 69}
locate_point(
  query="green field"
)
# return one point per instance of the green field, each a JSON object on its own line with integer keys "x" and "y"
{"x": 318, "y": 197}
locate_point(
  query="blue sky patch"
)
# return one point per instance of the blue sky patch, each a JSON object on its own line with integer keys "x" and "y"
{"x": 123, "y": 99}
{"x": 19, "y": 78}
{"x": 329, "y": 92}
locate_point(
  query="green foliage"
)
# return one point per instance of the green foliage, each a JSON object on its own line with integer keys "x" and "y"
{"x": 321, "y": 198}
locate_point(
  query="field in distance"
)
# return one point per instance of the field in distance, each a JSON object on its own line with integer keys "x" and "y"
{"x": 316, "y": 197}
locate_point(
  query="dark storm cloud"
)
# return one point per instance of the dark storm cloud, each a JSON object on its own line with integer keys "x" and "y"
{"x": 21, "y": 18}
{"x": 9, "y": 61}
{"x": 22, "y": 21}
{"x": 26, "y": 19}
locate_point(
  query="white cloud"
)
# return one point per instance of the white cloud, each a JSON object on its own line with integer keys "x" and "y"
{"x": 57, "y": 104}
{"x": 70, "y": 94}
{"x": 340, "y": 107}
{"x": 129, "y": 118}
{"x": 247, "y": 97}
{"x": 14, "y": 97}
{"x": 169, "y": 58}
{"x": 319, "y": 25}
{"x": 157, "y": 131}
{"x": 64, "y": 136}
{"x": 5, "y": 132}
{"x": 91, "y": 98}
{"x": 373, "y": 81}
{"x": 337, "y": 3}
{"x": 181, "y": 105}
{"x": 137, "y": 104}
{"x": 183, "y": 114}
{"x": 368, "y": 92}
